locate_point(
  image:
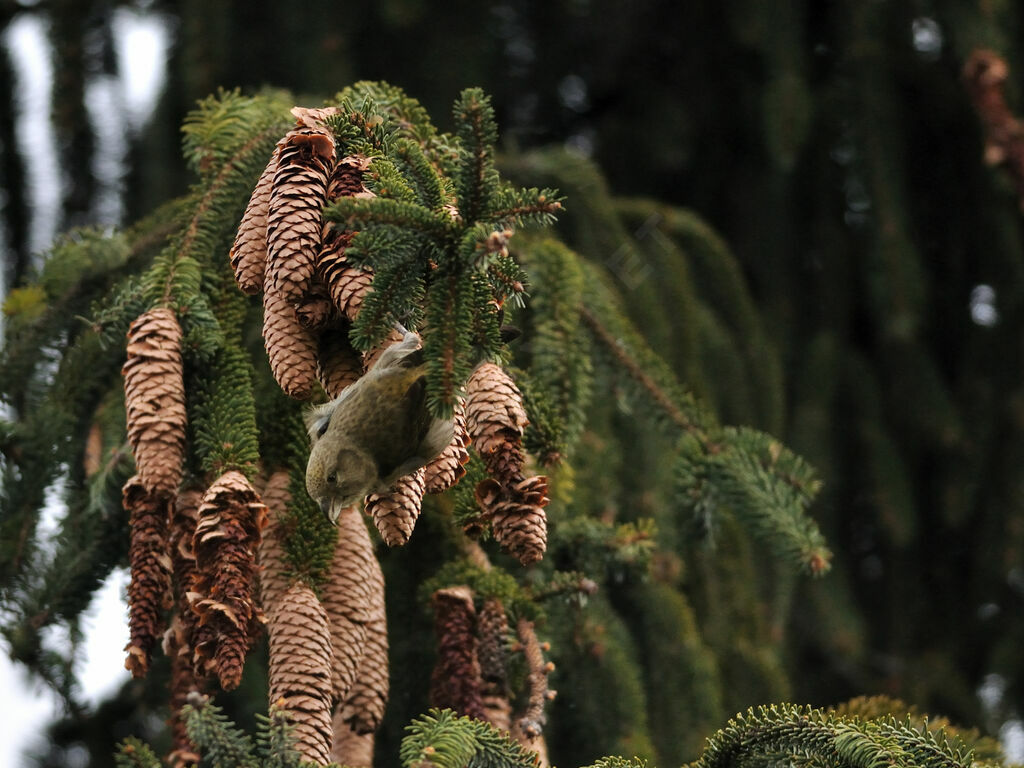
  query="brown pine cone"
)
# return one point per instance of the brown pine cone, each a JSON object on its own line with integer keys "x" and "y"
{"x": 273, "y": 576}
{"x": 183, "y": 559}
{"x": 294, "y": 221}
{"x": 351, "y": 597}
{"x": 313, "y": 117}
{"x": 183, "y": 682}
{"x": 449, "y": 467}
{"x": 350, "y": 748}
{"x": 338, "y": 363}
{"x": 155, "y": 399}
{"x": 300, "y": 670}
{"x": 249, "y": 252}
{"x": 231, "y": 518}
{"x": 455, "y": 682}
{"x": 347, "y": 178}
{"x": 495, "y": 419}
{"x": 347, "y": 284}
{"x": 517, "y": 516}
{"x": 149, "y": 592}
{"x": 363, "y": 710}
{"x": 395, "y": 513}
{"x": 493, "y": 630}
{"x": 290, "y": 347}
{"x": 315, "y": 310}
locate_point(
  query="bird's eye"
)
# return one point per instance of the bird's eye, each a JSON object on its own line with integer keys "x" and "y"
{"x": 322, "y": 428}
{"x": 332, "y": 478}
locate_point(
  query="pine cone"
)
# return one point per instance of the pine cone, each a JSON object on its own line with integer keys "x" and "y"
{"x": 492, "y": 628}
{"x": 290, "y": 347}
{"x": 315, "y": 310}
{"x": 351, "y": 748}
{"x": 455, "y": 682}
{"x": 294, "y": 222}
{"x": 395, "y": 513}
{"x": 363, "y": 710}
{"x": 338, "y": 363}
{"x": 347, "y": 283}
{"x": 351, "y": 598}
{"x": 155, "y": 399}
{"x": 183, "y": 560}
{"x": 495, "y": 419}
{"x": 150, "y": 587}
{"x": 449, "y": 467}
{"x": 231, "y": 517}
{"x": 313, "y": 117}
{"x": 273, "y": 579}
{"x": 517, "y": 516}
{"x": 183, "y": 682}
{"x": 249, "y": 252}
{"x": 532, "y": 722}
{"x": 300, "y": 670}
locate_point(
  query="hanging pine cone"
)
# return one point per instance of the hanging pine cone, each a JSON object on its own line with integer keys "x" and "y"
{"x": 363, "y": 710}
{"x": 150, "y": 587}
{"x": 155, "y": 399}
{"x": 300, "y": 670}
{"x": 351, "y": 597}
{"x": 492, "y": 628}
{"x": 314, "y": 310}
{"x": 290, "y": 347}
{"x": 249, "y": 252}
{"x": 183, "y": 683}
{"x": 294, "y": 222}
{"x": 449, "y": 466}
{"x": 532, "y": 722}
{"x": 517, "y": 516}
{"x": 395, "y": 513}
{"x": 348, "y": 747}
{"x": 231, "y": 517}
{"x": 273, "y": 579}
{"x": 338, "y": 363}
{"x": 455, "y": 682}
{"x": 495, "y": 418}
{"x": 183, "y": 561}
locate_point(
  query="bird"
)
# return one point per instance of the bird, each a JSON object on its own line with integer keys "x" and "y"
{"x": 376, "y": 431}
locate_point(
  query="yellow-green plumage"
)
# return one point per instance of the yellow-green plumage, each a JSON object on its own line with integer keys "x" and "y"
{"x": 377, "y": 430}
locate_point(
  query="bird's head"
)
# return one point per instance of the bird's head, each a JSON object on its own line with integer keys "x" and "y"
{"x": 338, "y": 477}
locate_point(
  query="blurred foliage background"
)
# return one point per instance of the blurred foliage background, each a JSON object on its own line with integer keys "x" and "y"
{"x": 791, "y": 199}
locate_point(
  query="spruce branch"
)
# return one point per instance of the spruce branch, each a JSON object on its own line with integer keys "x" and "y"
{"x": 441, "y": 739}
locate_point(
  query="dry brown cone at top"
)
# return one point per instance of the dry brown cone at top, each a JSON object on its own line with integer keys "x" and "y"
{"x": 495, "y": 418}
{"x": 290, "y": 347}
{"x": 347, "y": 283}
{"x": 351, "y": 596}
{"x": 449, "y": 467}
{"x": 363, "y": 710}
{"x": 183, "y": 560}
{"x": 249, "y": 252}
{"x": 339, "y": 364}
{"x": 231, "y": 518}
{"x": 300, "y": 670}
{"x": 183, "y": 682}
{"x": 274, "y": 582}
{"x": 517, "y": 516}
{"x": 294, "y": 221}
{"x": 395, "y": 513}
{"x": 313, "y": 117}
{"x": 455, "y": 682}
{"x": 150, "y": 587}
{"x": 155, "y": 399}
